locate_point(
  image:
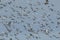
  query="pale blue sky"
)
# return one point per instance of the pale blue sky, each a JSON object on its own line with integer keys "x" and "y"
{"x": 27, "y": 14}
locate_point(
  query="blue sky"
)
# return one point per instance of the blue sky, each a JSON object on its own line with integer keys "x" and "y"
{"x": 29, "y": 20}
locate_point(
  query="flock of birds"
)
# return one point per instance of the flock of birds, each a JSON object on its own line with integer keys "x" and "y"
{"x": 29, "y": 20}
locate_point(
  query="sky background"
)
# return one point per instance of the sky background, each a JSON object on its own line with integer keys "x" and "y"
{"x": 29, "y": 20}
